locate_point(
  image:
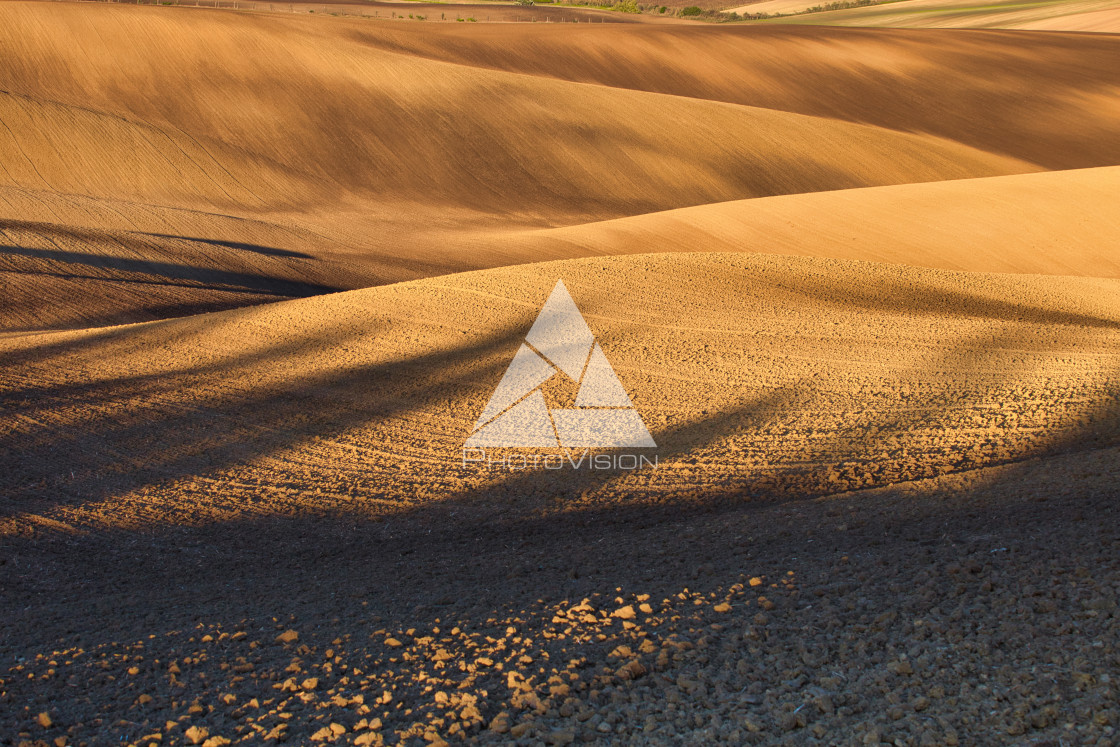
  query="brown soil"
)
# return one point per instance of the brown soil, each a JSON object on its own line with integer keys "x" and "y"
{"x": 297, "y": 465}
{"x": 355, "y": 152}
{"x": 851, "y": 280}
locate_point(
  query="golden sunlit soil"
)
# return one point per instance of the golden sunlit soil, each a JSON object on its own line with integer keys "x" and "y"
{"x": 356, "y": 152}
{"x": 1048, "y": 15}
{"x": 946, "y": 416}
{"x": 776, "y": 375}
{"x": 260, "y": 273}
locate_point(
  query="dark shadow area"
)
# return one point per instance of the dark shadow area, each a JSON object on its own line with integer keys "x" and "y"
{"x": 221, "y": 300}
{"x": 218, "y": 427}
{"x": 168, "y": 273}
{"x": 414, "y": 562}
{"x": 521, "y": 541}
{"x": 336, "y": 401}
{"x": 856, "y": 562}
{"x": 270, "y": 251}
{"x": 164, "y": 282}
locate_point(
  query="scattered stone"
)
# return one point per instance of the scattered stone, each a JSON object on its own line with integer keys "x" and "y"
{"x": 197, "y": 734}
{"x": 631, "y": 670}
{"x": 500, "y": 723}
{"x": 288, "y": 636}
{"x": 856, "y": 655}
{"x": 625, "y": 613}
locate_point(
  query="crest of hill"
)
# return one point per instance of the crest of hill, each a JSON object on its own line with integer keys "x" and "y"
{"x": 1045, "y": 98}
{"x": 1050, "y": 15}
{"x": 757, "y": 374}
{"x": 1053, "y": 223}
{"x": 162, "y": 106}
{"x": 348, "y": 160}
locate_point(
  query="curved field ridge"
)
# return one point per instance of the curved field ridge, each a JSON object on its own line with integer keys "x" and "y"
{"x": 317, "y": 114}
{"x": 757, "y": 375}
{"x": 1050, "y": 99}
{"x": 1051, "y": 15}
{"x": 383, "y": 152}
{"x": 58, "y": 276}
{"x": 1057, "y": 223}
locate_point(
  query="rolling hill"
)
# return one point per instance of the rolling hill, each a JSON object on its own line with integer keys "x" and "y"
{"x": 261, "y": 271}
{"x": 346, "y": 152}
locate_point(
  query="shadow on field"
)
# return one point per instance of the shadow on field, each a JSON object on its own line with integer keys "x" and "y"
{"x": 335, "y": 575}
{"x": 270, "y": 251}
{"x": 164, "y": 439}
{"x": 505, "y": 541}
{"x": 161, "y": 273}
{"x": 72, "y": 442}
